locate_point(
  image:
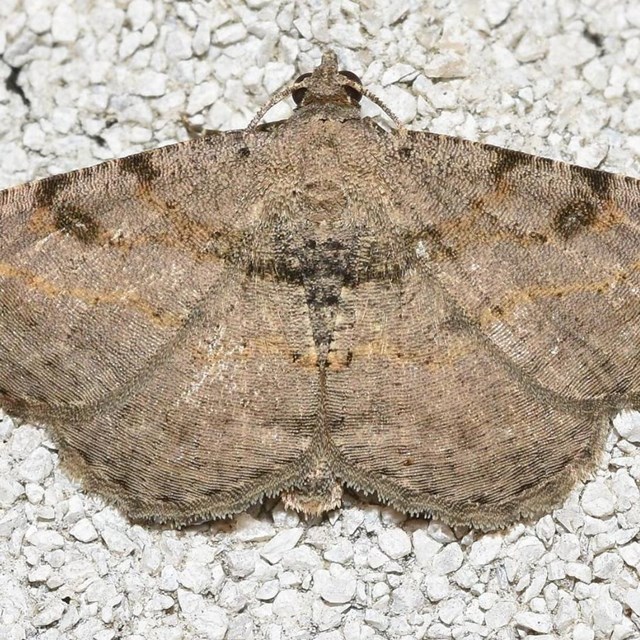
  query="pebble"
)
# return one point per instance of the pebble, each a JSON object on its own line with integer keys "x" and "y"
{"x": 50, "y": 614}
{"x": 567, "y": 547}
{"x": 441, "y": 532}
{"x": 10, "y": 491}
{"x": 44, "y": 539}
{"x": 201, "y": 38}
{"x": 607, "y": 566}
{"x": 204, "y": 617}
{"x": 485, "y": 550}
{"x": 240, "y": 627}
{"x": 39, "y": 574}
{"x": 376, "y": 558}
{"x": 500, "y": 614}
{"x": 632, "y": 600}
{"x": 36, "y": 466}
{"x": 150, "y": 84}
{"x": 151, "y": 560}
{"x": 231, "y": 598}
{"x": 336, "y": 586}
{"x": 64, "y": 24}
{"x": 579, "y": 570}
{"x": 450, "y": 610}
{"x": 448, "y": 559}
{"x": 139, "y": 13}
{"x": 248, "y": 529}
{"x": 268, "y": 590}
{"x": 583, "y": 632}
{"x": 424, "y": 547}
{"x": 527, "y": 550}
{"x": 406, "y": 599}
{"x": 395, "y": 543}
{"x": 202, "y": 96}
{"x": 539, "y": 623}
{"x": 117, "y": 542}
{"x": 84, "y": 531}
{"x": 630, "y": 553}
{"x": 288, "y": 604}
{"x": 376, "y": 619}
{"x": 632, "y": 116}
{"x": 465, "y": 577}
{"x": 597, "y": 500}
{"x": 497, "y": 12}
{"x": 160, "y": 602}
{"x": 607, "y": 612}
{"x": 99, "y": 591}
{"x": 352, "y": 521}
{"x": 168, "y": 579}
{"x": 536, "y": 584}
{"x": 570, "y": 50}
{"x": 280, "y": 544}
{"x": 179, "y": 47}
{"x": 625, "y": 490}
{"x": 229, "y": 34}
{"x": 627, "y": 424}
{"x": 195, "y": 577}
{"x": 341, "y": 552}
{"x": 302, "y": 558}
{"x": 242, "y": 562}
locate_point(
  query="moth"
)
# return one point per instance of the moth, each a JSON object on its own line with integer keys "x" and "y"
{"x": 318, "y": 303}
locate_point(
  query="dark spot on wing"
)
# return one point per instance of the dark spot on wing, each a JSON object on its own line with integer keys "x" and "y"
{"x": 537, "y": 238}
{"x": 406, "y": 152}
{"x": 458, "y": 323}
{"x": 47, "y": 189}
{"x": 507, "y": 161}
{"x": 598, "y": 181}
{"x": 438, "y": 248}
{"x": 244, "y": 152}
{"x": 574, "y": 217}
{"x": 140, "y": 166}
{"x": 79, "y": 224}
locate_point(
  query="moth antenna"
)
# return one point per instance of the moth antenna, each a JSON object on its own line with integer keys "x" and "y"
{"x": 377, "y": 101}
{"x": 283, "y": 94}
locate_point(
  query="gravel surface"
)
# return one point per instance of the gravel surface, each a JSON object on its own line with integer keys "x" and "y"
{"x": 86, "y": 81}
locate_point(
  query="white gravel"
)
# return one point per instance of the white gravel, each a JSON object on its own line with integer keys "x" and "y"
{"x": 109, "y": 78}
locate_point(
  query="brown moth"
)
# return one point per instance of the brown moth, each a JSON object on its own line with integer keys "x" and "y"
{"x": 318, "y": 303}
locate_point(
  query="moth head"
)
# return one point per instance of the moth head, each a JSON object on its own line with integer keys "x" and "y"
{"x": 327, "y": 85}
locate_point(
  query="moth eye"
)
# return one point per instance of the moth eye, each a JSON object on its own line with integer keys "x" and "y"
{"x": 298, "y": 94}
{"x": 354, "y": 94}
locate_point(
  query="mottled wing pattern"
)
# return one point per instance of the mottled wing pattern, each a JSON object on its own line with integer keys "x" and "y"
{"x": 162, "y": 366}
{"x": 542, "y": 257}
{"x": 481, "y": 381}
